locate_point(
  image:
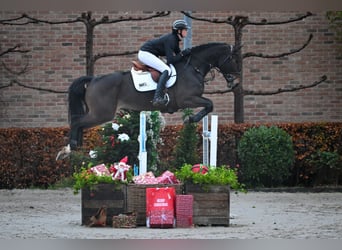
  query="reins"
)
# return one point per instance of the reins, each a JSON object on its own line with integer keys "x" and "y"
{"x": 211, "y": 67}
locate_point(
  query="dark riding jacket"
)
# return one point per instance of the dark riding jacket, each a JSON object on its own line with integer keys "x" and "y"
{"x": 166, "y": 45}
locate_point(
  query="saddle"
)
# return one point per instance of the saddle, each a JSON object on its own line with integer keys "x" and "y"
{"x": 139, "y": 66}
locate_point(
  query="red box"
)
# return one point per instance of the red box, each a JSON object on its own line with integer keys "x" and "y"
{"x": 160, "y": 207}
{"x": 184, "y": 210}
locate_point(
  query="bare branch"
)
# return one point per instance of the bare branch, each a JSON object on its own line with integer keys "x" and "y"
{"x": 11, "y": 50}
{"x": 233, "y": 20}
{"x": 229, "y": 20}
{"x": 20, "y": 72}
{"x": 14, "y": 49}
{"x": 291, "y": 20}
{"x": 6, "y": 86}
{"x": 278, "y": 91}
{"x": 213, "y": 92}
{"x": 293, "y": 51}
{"x": 85, "y": 18}
{"x": 36, "y": 88}
{"x": 106, "y": 20}
{"x": 4, "y": 21}
{"x": 26, "y": 19}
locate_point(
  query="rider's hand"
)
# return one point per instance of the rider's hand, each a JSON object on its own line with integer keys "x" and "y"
{"x": 186, "y": 52}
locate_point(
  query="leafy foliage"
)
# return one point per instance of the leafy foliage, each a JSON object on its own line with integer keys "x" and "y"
{"x": 187, "y": 143}
{"x": 120, "y": 138}
{"x": 216, "y": 176}
{"x": 27, "y": 156}
{"x": 266, "y": 154}
{"x": 328, "y": 165}
{"x": 86, "y": 179}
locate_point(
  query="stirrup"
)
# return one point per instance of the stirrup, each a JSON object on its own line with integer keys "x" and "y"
{"x": 161, "y": 101}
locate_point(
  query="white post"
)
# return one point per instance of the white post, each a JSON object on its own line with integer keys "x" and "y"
{"x": 210, "y": 137}
{"x": 205, "y": 135}
{"x": 213, "y": 140}
{"x": 142, "y": 144}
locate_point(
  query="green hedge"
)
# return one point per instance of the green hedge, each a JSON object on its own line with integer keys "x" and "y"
{"x": 27, "y": 156}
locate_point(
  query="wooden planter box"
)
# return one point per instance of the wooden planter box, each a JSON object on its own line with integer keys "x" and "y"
{"x": 136, "y": 198}
{"x": 211, "y": 204}
{"x": 112, "y": 196}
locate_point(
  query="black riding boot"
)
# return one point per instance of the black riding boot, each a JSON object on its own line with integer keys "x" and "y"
{"x": 158, "y": 99}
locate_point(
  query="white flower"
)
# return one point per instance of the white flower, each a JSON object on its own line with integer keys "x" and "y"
{"x": 93, "y": 154}
{"x": 115, "y": 126}
{"x": 123, "y": 137}
{"x": 127, "y": 116}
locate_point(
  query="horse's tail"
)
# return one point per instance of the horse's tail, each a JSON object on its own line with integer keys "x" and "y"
{"x": 77, "y": 103}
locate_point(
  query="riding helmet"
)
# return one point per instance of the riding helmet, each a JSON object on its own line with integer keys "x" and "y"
{"x": 179, "y": 25}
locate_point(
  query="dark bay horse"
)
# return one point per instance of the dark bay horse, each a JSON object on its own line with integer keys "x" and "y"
{"x": 95, "y": 100}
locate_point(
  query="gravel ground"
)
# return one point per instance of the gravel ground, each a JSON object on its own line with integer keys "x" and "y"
{"x": 56, "y": 214}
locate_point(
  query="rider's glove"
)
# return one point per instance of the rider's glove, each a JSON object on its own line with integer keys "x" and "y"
{"x": 186, "y": 52}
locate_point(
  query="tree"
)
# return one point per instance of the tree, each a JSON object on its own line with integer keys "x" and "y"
{"x": 90, "y": 24}
{"x": 8, "y": 52}
{"x": 238, "y": 23}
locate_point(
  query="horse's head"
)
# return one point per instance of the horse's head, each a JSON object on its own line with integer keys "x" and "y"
{"x": 228, "y": 63}
{"x": 224, "y": 57}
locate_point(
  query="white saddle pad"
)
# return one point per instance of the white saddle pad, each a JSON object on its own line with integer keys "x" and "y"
{"x": 143, "y": 80}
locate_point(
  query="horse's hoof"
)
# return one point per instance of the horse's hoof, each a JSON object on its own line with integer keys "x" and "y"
{"x": 234, "y": 86}
{"x": 72, "y": 145}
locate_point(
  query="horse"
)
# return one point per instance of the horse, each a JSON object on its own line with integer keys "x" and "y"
{"x": 94, "y": 100}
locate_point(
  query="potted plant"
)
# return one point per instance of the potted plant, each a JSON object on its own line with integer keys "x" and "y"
{"x": 211, "y": 192}
{"x": 222, "y": 175}
{"x": 101, "y": 191}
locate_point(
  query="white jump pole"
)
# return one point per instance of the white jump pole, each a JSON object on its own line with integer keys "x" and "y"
{"x": 213, "y": 140}
{"x": 142, "y": 144}
{"x": 210, "y": 135}
{"x": 205, "y": 135}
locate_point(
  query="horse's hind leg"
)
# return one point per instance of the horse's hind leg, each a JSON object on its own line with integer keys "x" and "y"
{"x": 195, "y": 102}
{"x": 75, "y": 133}
{"x": 87, "y": 121}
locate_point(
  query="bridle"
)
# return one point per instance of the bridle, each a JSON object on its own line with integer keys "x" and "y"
{"x": 228, "y": 76}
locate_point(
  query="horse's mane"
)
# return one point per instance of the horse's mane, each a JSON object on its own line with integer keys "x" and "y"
{"x": 205, "y": 46}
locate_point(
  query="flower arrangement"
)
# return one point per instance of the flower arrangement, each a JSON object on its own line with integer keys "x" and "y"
{"x": 115, "y": 173}
{"x": 119, "y": 139}
{"x": 222, "y": 175}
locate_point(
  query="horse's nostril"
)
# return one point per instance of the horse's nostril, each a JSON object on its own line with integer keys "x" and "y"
{"x": 230, "y": 78}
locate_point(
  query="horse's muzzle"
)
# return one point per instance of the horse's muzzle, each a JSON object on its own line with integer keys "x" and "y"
{"x": 230, "y": 78}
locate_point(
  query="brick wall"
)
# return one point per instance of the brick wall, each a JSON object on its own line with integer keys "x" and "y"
{"x": 57, "y": 57}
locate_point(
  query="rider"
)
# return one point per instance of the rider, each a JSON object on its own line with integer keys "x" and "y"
{"x": 166, "y": 45}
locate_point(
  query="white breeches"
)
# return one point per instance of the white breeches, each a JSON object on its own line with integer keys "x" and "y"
{"x": 153, "y": 61}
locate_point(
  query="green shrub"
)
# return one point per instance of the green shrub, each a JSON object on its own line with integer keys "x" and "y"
{"x": 266, "y": 155}
{"x": 185, "y": 150}
{"x": 327, "y": 167}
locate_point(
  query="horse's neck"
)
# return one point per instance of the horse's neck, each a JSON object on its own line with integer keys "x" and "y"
{"x": 204, "y": 62}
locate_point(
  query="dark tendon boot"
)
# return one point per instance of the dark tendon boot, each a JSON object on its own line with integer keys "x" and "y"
{"x": 158, "y": 99}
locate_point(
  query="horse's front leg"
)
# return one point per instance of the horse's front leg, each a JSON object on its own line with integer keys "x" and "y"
{"x": 195, "y": 102}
